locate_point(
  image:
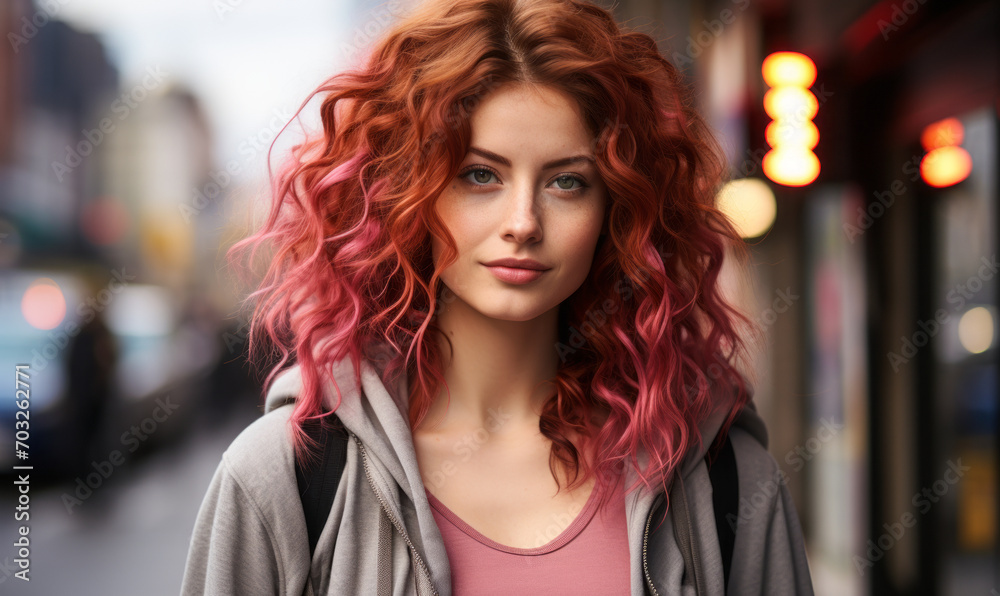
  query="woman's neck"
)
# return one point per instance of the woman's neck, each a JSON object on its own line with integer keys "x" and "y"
{"x": 496, "y": 370}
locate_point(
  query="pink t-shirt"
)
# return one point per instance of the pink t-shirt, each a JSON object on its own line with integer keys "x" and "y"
{"x": 586, "y": 555}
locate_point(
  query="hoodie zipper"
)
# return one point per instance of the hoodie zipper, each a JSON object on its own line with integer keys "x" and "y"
{"x": 690, "y": 542}
{"x": 645, "y": 540}
{"x": 389, "y": 513}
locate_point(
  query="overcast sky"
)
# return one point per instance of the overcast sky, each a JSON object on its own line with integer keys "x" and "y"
{"x": 243, "y": 58}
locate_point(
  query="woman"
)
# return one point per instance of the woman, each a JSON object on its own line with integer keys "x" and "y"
{"x": 498, "y": 268}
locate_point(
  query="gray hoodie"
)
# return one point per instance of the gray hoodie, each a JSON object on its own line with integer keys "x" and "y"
{"x": 250, "y": 534}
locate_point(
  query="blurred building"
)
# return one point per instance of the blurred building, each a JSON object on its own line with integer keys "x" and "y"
{"x": 97, "y": 265}
{"x": 54, "y": 80}
{"x": 158, "y": 165}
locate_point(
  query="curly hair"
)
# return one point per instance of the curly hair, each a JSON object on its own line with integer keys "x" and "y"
{"x": 641, "y": 342}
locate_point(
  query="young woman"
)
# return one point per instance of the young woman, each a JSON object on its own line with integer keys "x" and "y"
{"x": 498, "y": 267}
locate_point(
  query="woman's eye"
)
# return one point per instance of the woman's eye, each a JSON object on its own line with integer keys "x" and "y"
{"x": 479, "y": 175}
{"x": 482, "y": 176}
{"x": 568, "y": 181}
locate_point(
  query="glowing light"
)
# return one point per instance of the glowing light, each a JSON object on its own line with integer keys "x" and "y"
{"x": 791, "y": 166}
{"x": 942, "y": 133}
{"x": 792, "y": 103}
{"x": 43, "y": 304}
{"x": 945, "y": 166}
{"x": 791, "y": 106}
{"x": 788, "y": 68}
{"x": 749, "y": 203}
{"x": 975, "y": 330}
{"x": 945, "y": 163}
{"x": 789, "y": 132}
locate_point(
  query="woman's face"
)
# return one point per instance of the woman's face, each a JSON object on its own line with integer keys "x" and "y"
{"x": 527, "y": 189}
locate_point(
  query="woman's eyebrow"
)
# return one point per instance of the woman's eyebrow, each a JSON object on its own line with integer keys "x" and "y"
{"x": 552, "y": 164}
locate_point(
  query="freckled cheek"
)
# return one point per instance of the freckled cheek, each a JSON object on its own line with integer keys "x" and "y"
{"x": 469, "y": 228}
{"x": 581, "y": 236}
{"x": 583, "y": 227}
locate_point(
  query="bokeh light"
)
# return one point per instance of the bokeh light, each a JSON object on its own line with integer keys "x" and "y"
{"x": 945, "y": 166}
{"x": 788, "y": 68}
{"x": 975, "y": 330}
{"x": 942, "y": 134}
{"x": 750, "y": 204}
{"x": 791, "y": 166}
{"x": 789, "y": 132}
{"x": 43, "y": 304}
{"x": 792, "y": 103}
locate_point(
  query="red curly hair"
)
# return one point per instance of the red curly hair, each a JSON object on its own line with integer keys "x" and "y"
{"x": 641, "y": 341}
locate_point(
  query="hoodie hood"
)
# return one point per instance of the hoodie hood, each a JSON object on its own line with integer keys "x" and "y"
{"x": 378, "y": 416}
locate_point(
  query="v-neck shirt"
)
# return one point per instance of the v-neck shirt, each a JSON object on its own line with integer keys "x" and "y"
{"x": 586, "y": 554}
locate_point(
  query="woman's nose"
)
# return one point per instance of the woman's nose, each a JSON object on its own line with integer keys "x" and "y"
{"x": 522, "y": 221}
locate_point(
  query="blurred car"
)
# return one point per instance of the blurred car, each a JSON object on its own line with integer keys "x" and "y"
{"x": 114, "y": 369}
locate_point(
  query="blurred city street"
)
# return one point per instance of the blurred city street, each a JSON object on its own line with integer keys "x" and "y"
{"x": 132, "y": 535}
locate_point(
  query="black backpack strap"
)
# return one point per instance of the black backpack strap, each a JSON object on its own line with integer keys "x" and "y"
{"x": 318, "y": 482}
{"x": 725, "y": 501}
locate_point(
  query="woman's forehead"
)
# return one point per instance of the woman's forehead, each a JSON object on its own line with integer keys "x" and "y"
{"x": 513, "y": 122}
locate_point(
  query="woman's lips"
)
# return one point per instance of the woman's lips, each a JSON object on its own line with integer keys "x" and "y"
{"x": 515, "y": 275}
